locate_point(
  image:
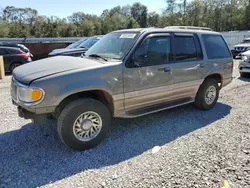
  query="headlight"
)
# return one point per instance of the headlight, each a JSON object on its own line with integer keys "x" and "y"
{"x": 29, "y": 95}
{"x": 244, "y": 58}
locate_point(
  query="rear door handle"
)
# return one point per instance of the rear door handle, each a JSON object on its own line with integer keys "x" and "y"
{"x": 167, "y": 69}
{"x": 202, "y": 65}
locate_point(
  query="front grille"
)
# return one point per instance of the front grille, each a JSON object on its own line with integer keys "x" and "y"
{"x": 240, "y": 49}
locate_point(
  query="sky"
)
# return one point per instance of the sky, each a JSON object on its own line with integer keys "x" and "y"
{"x": 64, "y": 8}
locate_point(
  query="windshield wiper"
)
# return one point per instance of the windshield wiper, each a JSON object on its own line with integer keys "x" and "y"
{"x": 96, "y": 55}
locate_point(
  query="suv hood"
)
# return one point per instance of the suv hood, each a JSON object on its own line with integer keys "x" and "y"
{"x": 242, "y": 45}
{"x": 49, "y": 66}
{"x": 67, "y": 51}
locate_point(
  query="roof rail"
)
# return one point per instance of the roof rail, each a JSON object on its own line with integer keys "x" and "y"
{"x": 189, "y": 27}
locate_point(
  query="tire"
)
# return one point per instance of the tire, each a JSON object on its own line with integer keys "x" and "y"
{"x": 200, "y": 99}
{"x": 66, "y": 125}
{"x": 244, "y": 75}
{"x": 13, "y": 66}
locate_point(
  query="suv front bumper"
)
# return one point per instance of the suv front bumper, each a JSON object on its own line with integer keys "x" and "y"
{"x": 27, "y": 109}
{"x": 244, "y": 67}
{"x": 27, "y": 113}
{"x": 24, "y": 113}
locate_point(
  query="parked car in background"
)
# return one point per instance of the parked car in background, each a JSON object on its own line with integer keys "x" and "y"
{"x": 79, "y": 50}
{"x": 77, "y": 43}
{"x": 21, "y": 46}
{"x": 244, "y": 65}
{"x": 240, "y": 48}
{"x": 128, "y": 73}
{"x": 13, "y": 57}
{"x": 73, "y": 45}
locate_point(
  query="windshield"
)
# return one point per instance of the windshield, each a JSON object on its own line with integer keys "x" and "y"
{"x": 246, "y": 41}
{"x": 75, "y": 44}
{"x": 23, "y": 48}
{"x": 113, "y": 45}
{"x": 89, "y": 42}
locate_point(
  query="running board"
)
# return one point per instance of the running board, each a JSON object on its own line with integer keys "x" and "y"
{"x": 155, "y": 108}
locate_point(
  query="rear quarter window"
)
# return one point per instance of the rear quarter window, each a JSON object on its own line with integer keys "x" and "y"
{"x": 187, "y": 48}
{"x": 14, "y": 51}
{"x": 216, "y": 47}
{"x": 4, "y": 51}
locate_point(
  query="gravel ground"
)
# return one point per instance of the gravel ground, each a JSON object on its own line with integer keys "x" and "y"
{"x": 198, "y": 149}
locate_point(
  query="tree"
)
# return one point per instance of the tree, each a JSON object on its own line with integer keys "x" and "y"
{"x": 140, "y": 12}
{"x": 171, "y": 6}
{"x": 247, "y": 16}
{"x": 77, "y": 18}
{"x": 170, "y": 12}
{"x": 153, "y": 19}
{"x": 220, "y": 15}
{"x": 4, "y": 29}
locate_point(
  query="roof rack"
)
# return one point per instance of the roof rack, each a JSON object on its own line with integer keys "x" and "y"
{"x": 189, "y": 27}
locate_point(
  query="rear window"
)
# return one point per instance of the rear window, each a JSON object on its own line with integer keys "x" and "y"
{"x": 15, "y": 51}
{"x": 185, "y": 48}
{"x": 216, "y": 47}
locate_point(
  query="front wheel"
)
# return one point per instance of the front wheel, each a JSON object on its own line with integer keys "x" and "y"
{"x": 13, "y": 66}
{"x": 207, "y": 94}
{"x": 83, "y": 124}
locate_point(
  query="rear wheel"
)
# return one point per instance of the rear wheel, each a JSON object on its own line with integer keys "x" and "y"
{"x": 13, "y": 66}
{"x": 83, "y": 124}
{"x": 207, "y": 94}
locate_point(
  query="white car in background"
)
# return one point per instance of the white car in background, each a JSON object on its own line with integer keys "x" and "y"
{"x": 244, "y": 66}
{"x": 241, "y": 48}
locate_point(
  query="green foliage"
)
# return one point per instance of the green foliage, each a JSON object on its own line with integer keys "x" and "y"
{"x": 4, "y": 29}
{"x": 220, "y": 15}
{"x": 140, "y": 12}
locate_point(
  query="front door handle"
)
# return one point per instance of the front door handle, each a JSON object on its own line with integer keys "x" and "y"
{"x": 165, "y": 69}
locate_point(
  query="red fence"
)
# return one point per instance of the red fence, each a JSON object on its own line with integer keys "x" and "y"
{"x": 41, "y": 50}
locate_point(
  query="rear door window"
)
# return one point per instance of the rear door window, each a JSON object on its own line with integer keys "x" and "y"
{"x": 186, "y": 48}
{"x": 14, "y": 51}
{"x": 216, "y": 47}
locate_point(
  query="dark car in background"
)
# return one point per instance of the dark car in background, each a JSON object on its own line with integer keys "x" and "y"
{"x": 13, "y": 57}
{"x": 79, "y": 50}
{"x": 21, "y": 46}
{"x": 73, "y": 45}
{"x": 77, "y": 43}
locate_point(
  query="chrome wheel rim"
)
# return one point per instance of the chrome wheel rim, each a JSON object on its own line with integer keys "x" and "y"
{"x": 87, "y": 126}
{"x": 210, "y": 95}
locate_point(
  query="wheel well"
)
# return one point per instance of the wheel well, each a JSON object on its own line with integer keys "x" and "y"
{"x": 14, "y": 63}
{"x": 99, "y": 95}
{"x": 217, "y": 77}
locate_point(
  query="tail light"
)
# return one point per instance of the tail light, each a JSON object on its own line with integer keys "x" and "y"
{"x": 24, "y": 55}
